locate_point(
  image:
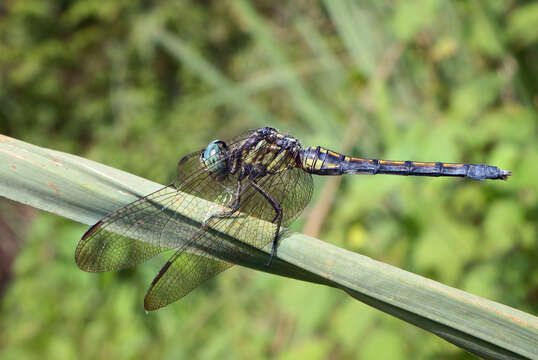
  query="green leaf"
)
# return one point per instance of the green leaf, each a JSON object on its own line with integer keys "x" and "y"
{"x": 413, "y": 16}
{"x": 522, "y": 24}
{"x": 85, "y": 191}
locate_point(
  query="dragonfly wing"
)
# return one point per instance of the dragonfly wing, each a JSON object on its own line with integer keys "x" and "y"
{"x": 130, "y": 235}
{"x": 153, "y": 224}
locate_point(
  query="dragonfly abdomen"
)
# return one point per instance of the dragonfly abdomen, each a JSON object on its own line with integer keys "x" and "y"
{"x": 320, "y": 161}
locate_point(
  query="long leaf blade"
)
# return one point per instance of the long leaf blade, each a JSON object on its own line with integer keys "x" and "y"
{"x": 85, "y": 191}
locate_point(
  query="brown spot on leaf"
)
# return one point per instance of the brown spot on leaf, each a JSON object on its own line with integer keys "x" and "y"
{"x": 55, "y": 188}
{"x": 57, "y": 162}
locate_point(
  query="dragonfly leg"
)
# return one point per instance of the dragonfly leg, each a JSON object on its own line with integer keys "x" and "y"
{"x": 277, "y": 218}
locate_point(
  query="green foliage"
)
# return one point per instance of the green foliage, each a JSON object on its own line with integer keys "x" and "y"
{"x": 136, "y": 85}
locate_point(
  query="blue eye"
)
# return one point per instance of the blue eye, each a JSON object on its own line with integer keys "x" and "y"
{"x": 213, "y": 158}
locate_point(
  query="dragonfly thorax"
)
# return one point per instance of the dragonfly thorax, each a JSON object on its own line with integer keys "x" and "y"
{"x": 267, "y": 151}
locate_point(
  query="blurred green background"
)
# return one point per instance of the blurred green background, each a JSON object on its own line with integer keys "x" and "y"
{"x": 138, "y": 84}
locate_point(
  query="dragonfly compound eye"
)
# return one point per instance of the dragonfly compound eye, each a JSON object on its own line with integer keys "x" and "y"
{"x": 214, "y": 158}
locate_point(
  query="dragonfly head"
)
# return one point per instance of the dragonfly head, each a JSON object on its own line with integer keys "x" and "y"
{"x": 214, "y": 158}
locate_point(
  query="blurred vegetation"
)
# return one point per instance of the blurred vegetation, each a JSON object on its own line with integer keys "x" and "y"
{"x": 138, "y": 84}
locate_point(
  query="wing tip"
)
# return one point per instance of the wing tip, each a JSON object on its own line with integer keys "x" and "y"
{"x": 149, "y": 303}
{"x": 80, "y": 258}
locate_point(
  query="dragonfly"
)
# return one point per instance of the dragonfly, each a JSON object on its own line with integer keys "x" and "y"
{"x": 237, "y": 187}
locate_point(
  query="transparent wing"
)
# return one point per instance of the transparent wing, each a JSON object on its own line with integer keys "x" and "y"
{"x": 153, "y": 224}
{"x": 210, "y": 252}
{"x": 132, "y": 234}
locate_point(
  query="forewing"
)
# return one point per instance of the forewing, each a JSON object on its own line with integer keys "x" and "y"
{"x": 130, "y": 235}
{"x": 153, "y": 224}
